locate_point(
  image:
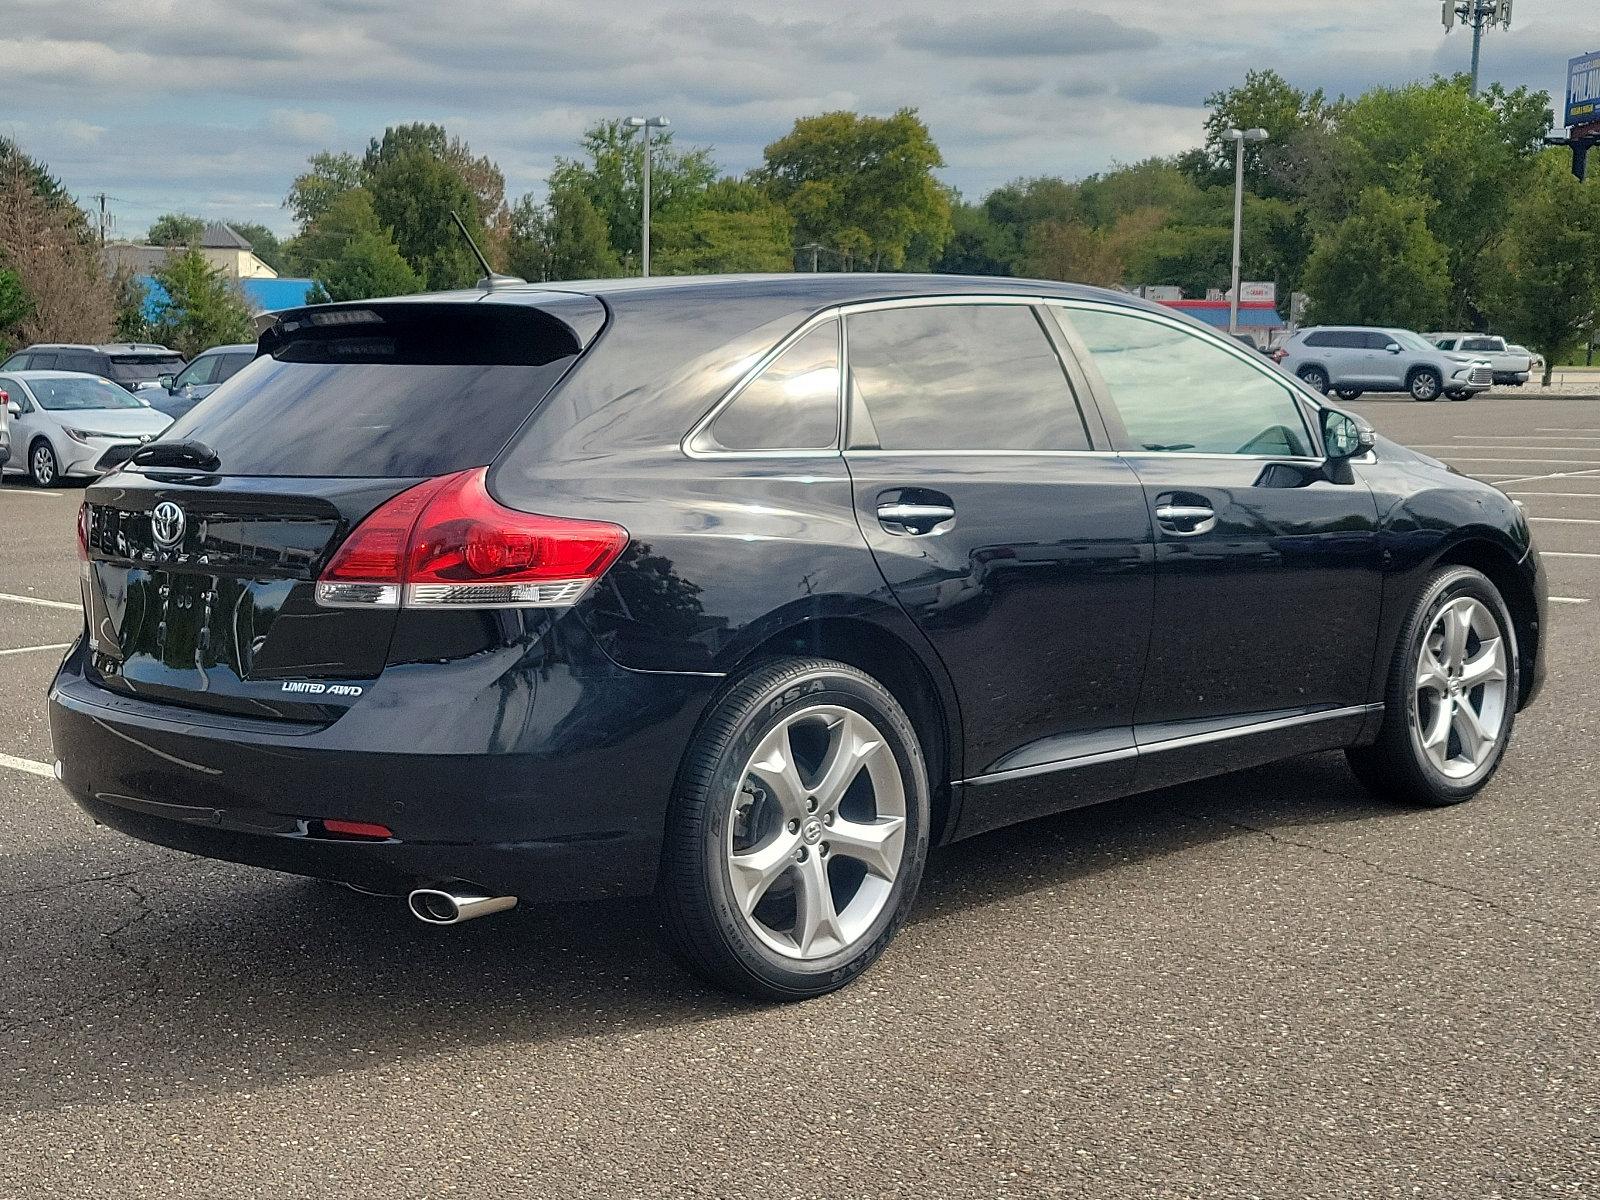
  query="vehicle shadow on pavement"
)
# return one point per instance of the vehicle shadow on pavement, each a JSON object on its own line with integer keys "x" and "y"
{"x": 201, "y": 978}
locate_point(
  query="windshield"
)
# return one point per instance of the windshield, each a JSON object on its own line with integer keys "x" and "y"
{"x": 1412, "y": 341}
{"x": 73, "y": 395}
{"x": 144, "y": 368}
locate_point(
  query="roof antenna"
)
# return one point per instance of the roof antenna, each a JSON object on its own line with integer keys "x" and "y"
{"x": 490, "y": 279}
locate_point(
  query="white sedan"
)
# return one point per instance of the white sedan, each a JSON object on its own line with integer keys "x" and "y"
{"x": 66, "y": 424}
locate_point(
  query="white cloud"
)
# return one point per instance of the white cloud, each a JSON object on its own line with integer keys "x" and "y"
{"x": 296, "y": 124}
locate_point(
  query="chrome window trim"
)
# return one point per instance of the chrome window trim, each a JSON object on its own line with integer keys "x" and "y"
{"x": 866, "y": 451}
{"x": 1293, "y": 388}
{"x": 1177, "y": 743}
{"x": 699, "y": 444}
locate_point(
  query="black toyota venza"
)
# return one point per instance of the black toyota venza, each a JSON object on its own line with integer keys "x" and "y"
{"x": 745, "y": 591}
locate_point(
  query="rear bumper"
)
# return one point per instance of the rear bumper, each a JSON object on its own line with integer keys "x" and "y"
{"x": 1514, "y": 378}
{"x": 558, "y": 789}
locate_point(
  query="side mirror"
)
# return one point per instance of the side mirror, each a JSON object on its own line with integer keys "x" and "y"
{"x": 1393, "y": 347}
{"x": 1345, "y": 436}
{"x": 164, "y": 381}
{"x": 14, "y": 409}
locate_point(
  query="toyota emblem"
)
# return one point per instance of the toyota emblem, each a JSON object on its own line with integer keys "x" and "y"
{"x": 166, "y": 525}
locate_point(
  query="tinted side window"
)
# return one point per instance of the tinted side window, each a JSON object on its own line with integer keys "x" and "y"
{"x": 1177, "y": 391}
{"x": 41, "y": 362}
{"x": 959, "y": 377}
{"x": 201, "y": 370}
{"x": 793, "y": 404}
{"x": 1375, "y": 341}
{"x": 231, "y": 365}
{"x": 1320, "y": 338}
{"x": 78, "y": 360}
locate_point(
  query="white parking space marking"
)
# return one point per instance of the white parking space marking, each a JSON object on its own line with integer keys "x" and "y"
{"x": 1563, "y": 495}
{"x": 1575, "y": 430}
{"x": 31, "y": 492}
{"x": 1457, "y": 446}
{"x": 44, "y": 770}
{"x": 1568, "y": 600}
{"x": 41, "y": 601}
{"x": 1571, "y": 462}
{"x": 1566, "y": 554}
{"x": 1548, "y": 475}
{"x": 32, "y": 649}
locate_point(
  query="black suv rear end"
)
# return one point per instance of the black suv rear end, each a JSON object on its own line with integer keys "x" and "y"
{"x": 333, "y": 652}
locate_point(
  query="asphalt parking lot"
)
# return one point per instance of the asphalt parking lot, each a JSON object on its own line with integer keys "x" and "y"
{"x": 1264, "y": 985}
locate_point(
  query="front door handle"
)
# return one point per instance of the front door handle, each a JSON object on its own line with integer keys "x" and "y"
{"x": 904, "y": 517}
{"x": 1185, "y": 518}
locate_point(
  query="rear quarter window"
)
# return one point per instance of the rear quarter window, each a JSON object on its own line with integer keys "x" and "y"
{"x": 399, "y": 391}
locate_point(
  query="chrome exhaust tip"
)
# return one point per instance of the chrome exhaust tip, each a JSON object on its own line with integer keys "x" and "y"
{"x": 451, "y": 906}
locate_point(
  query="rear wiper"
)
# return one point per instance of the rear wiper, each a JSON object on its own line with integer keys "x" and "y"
{"x": 188, "y": 453}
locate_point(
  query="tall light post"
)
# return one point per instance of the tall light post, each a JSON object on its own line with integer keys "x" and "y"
{"x": 644, "y": 125}
{"x": 1238, "y": 137}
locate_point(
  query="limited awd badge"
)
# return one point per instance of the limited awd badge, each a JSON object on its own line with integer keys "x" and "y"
{"x": 166, "y": 525}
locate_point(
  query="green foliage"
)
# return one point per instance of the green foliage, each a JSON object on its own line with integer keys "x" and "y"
{"x": 132, "y": 324}
{"x": 45, "y": 248}
{"x": 413, "y": 195}
{"x": 175, "y": 229}
{"x": 978, "y": 245}
{"x": 350, "y": 253}
{"x": 1380, "y": 266}
{"x": 566, "y": 239}
{"x": 202, "y": 307}
{"x": 611, "y": 175}
{"x": 1548, "y": 290}
{"x": 15, "y": 304}
{"x": 1265, "y": 100}
{"x": 862, "y": 185}
{"x": 328, "y": 176}
{"x": 737, "y": 227}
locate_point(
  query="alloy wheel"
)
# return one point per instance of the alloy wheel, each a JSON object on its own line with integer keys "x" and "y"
{"x": 1425, "y": 385}
{"x": 817, "y": 834}
{"x": 1460, "y": 701}
{"x": 44, "y": 465}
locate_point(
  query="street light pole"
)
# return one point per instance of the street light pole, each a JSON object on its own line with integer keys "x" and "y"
{"x": 644, "y": 125}
{"x": 1238, "y": 137}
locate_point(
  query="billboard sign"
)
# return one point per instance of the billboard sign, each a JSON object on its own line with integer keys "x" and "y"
{"x": 1583, "y": 90}
{"x": 1258, "y": 293}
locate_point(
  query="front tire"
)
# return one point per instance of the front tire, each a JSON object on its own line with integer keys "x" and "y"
{"x": 43, "y": 470}
{"x": 1425, "y": 385}
{"x": 798, "y": 832}
{"x": 1451, "y": 698}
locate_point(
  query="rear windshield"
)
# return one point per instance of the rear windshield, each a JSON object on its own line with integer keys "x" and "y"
{"x": 394, "y": 391}
{"x": 73, "y": 395}
{"x": 144, "y": 368}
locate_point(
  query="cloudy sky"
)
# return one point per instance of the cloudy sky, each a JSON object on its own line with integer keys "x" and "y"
{"x": 211, "y": 106}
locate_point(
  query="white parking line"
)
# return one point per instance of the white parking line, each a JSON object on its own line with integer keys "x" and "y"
{"x": 1569, "y": 520}
{"x": 1566, "y": 554}
{"x": 1568, "y": 600}
{"x": 41, "y": 601}
{"x": 44, "y": 770}
{"x": 31, "y": 649}
{"x": 1458, "y": 446}
{"x": 1571, "y": 462}
{"x": 1546, "y": 475}
{"x": 1566, "y": 495}
{"x": 30, "y": 492}
{"x": 1506, "y": 437}
{"x": 1574, "y": 430}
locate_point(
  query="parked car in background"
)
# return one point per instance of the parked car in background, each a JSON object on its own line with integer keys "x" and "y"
{"x": 1352, "y": 359}
{"x": 1511, "y": 364}
{"x": 5, "y": 428}
{"x": 177, "y": 394}
{"x": 1535, "y": 359}
{"x": 743, "y": 592}
{"x": 132, "y": 365}
{"x": 65, "y": 424}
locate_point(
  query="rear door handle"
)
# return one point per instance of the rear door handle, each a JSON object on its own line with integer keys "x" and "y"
{"x": 1185, "y": 519}
{"x": 904, "y": 517}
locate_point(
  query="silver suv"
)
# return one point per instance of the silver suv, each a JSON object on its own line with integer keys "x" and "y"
{"x": 1351, "y": 359}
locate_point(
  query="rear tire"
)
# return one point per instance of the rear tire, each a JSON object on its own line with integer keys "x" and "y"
{"x": 1350, "y": 394}
{"x": 1425, "y": 385}
{"x": 1315, "y": 378}
{"x": 1459, "y": 394}
{"x": 1431, "y": 676}
{"x": 798, "y": 831}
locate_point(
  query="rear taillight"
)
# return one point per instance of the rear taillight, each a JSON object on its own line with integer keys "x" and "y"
{"x": 1279, "y": 354}
{"x": 447, "y": 543}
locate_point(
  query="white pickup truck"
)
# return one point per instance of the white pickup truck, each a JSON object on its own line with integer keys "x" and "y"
{"x": 1510, "y": 366}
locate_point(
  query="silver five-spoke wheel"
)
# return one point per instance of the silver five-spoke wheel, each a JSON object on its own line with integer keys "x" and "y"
{"x": 1460, "y": 699}
{"x": 817, "y": 833}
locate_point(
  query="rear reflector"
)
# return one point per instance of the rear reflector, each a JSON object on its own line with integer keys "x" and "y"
{"x": 446, "y": 543}
{"x": 363, "y": 829}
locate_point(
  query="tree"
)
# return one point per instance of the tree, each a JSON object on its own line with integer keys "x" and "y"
{"x": 413, "y": 195}
{"x": 611, "y": 175}
{"x": 1265, "y": 100}
{"x": 863, "y": 185}
{"x": 15, "y": 304}
{"x": 978, "y": 245}
{"x": 1380, "y": 266}
{"x": 350, "y": 253}
{"x": 737, "y": 227}
{"x": 579, "y": 242}
{"x": 45, "y": 248}
{"x": 202, "y": 306}
{"x": 175, "y": 229}
{"x": 1549, "y": 291}
{"x": 329, "y": 176}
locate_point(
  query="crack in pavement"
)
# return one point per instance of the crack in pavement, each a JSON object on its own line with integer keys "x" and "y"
{"x": 110, "y": 877}
{"x": 1391, "y": 873}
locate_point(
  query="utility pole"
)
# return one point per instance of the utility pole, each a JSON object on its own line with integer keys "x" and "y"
{"x": 1481, "y": 16}
{"x": 1238, "y": 137}
{"x": 102, "y": 197}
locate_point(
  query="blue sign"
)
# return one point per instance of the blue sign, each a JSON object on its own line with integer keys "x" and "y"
{"x": 1583, "y": 90}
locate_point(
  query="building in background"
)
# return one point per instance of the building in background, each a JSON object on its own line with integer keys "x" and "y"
{"x": 225, "y": 249}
